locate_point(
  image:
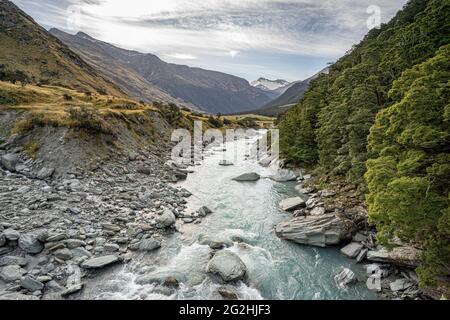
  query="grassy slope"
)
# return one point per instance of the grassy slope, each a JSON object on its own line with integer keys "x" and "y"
{"x": 27, "y": 47}
{"x": 50, "y": 105}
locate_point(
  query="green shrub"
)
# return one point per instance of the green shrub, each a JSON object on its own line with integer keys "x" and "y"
{"x": 171, "y": 113}
{"x": 90, "y": 119}
{"x": 227, "y": 122}
{"x": 247, "y": 123}
{"x": 215, "y": 122}
{"x": 409, "y": 177}
{"x": 13, "y": 76}
{"x": 67, "y": 97}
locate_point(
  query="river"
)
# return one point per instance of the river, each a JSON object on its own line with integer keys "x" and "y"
{"x": 244, "y": 215}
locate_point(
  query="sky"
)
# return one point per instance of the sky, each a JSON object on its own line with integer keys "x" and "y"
{"x": 275, "y": 39}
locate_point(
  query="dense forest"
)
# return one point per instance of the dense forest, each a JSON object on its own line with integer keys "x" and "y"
{"x": 381, "y": 119}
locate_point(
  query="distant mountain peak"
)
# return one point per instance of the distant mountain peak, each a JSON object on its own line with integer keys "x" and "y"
{"x": 269, "y": 85}
{"x": 81, "y": 34}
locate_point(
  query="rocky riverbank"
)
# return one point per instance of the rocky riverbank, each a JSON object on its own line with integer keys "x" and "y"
{"x": 73, "y": 203}
{"x": 336, "y": 216}
{"x": 55, "y": 232}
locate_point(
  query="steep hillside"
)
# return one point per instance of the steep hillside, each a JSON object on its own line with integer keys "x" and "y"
{"x": 28, "y": 53}
{"x": 393, "y": 86}
{"x": 213, "y": 92}
{"x": 96, "y": 53}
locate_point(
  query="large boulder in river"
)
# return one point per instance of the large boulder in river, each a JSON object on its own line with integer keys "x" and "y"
{"x": 248, "y": 177}
{"x": 352, "y": 250}
{"x": 284, "y": 175}
{"x": 404, "y": 256}
{"x": 344, "y": 278}
{"x": 149, "y": 245}
{"x": 227, "y": 265}
{"x": 320, "y": 231}
{"x": 225, "y": 163}
{"x": 166, "y": 219}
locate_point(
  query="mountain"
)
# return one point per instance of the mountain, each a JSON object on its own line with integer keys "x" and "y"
{"x": 30, "y": 52}
{"x": 272, "y": 88}
{"x": 96, "y": 53}
{"x": 212, "y": 91}
{"x": 292, "y": 95}
{"x": 269, "y": 85}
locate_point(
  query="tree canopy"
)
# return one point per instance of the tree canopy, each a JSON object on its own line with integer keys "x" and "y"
{"x": 380, "y": 118}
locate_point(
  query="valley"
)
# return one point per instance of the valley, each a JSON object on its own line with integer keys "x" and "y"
{"x": 95, "y": 204}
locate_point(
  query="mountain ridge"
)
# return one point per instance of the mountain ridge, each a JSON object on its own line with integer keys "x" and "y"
{"x": 212, "y": 91}
{"x": 126, "y": 78}
{"x": 294, "y": 93}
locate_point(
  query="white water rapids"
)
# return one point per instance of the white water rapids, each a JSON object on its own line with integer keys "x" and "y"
{"x": 276, "y": 269}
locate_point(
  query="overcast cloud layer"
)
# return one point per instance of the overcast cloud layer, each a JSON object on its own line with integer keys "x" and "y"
{"x": 288, "y": 39}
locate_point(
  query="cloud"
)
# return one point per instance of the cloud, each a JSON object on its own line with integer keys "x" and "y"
{"x": 234, "y": 53}
{"x": 205, "y": 30}
{"x": 181, "y": 56}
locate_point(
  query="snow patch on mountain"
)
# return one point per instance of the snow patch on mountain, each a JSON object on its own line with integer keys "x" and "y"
{"x": 269, "y": 85}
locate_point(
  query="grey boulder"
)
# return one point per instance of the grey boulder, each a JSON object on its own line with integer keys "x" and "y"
{"x": 45, "y": 173}
{"x": 284, "y": 175}
{"x": 352, "y": 250}
{"x": 400, "y": 285}
{"x": 10, "y": 260}
{"x": 166, "y": 219}
{"x": 373, "y": 283}
{"x": 149, "y": 245}
{"x": 265, "y": 162}
{"x": 317, "y": 211}
{"x": 100, "y": 262}
{"x": 227, "y": 265}
{"x": 225, "y": 163}
{"x": 2, "y": 240}
{"x": 64, "y": 254}
{"x": 11, "y": 273}
{"x": 204, "y": 211}
{"x": 30, "y": 243}
{"x": 344, "y": 278}
{"x": 71, "y": 290}
{"x": 402, "y": 256}
{"x": 11, "y": 234}
{"x": 10, "y": 161}
{"x": 228, "y": 293}
{"x": 16, "y": 296}
{"x": 318, "y": 231}
{"x": 248, "y": 177}
{"x": 362, "y": 255}
{"x": 292, "y": 204}
{"x": 31, "y": 284}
